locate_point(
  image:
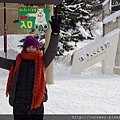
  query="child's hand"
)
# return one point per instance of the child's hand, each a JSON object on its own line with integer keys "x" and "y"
{"x": 55, "y": 24}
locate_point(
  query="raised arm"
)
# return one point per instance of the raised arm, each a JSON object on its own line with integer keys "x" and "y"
{"x": 51, "y": 50}
{"x": 54, "y": 39}
{"x": 6, "y": 63}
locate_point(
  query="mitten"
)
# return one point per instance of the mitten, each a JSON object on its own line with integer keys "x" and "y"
{"x": 55, "y": 24}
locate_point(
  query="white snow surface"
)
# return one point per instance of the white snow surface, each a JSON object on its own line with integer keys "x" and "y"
{"x": 90, "y": 92}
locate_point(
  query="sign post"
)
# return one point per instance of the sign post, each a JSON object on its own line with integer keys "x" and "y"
{"x": 49, "y": 70}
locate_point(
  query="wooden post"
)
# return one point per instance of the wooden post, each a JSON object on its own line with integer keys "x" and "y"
{"x": 49, "y": 70}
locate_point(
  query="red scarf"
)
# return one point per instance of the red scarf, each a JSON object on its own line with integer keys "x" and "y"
{"x": 39, "y": 79}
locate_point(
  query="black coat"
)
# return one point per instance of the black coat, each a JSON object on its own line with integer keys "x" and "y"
{"x": 25, "y": 82}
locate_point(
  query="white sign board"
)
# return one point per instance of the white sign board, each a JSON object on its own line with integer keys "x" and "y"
{"x": 103, "y": 49}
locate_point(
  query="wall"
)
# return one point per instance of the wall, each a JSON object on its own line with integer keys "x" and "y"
{"x": 11, "y": 15}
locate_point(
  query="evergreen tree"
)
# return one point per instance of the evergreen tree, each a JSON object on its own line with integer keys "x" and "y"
{"x": 75, "y": 25}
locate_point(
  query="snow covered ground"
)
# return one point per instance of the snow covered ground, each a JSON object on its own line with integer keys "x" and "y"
{"x": 88, "y": 92}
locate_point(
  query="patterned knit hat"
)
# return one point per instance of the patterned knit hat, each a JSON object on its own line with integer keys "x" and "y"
{"x": 31, "y": 41}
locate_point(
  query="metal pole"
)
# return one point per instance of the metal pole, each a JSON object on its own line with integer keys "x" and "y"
{"x": 5, "y": 32}
{"x": 49, "y": 70}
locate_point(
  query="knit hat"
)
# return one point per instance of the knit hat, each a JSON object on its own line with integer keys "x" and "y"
{"x": 31, "y": 41}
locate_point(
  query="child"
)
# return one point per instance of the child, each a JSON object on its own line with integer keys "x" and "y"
{"x": 26, "y": 82}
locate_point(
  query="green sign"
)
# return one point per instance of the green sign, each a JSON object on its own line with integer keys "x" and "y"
{"x": 33, "y": 18}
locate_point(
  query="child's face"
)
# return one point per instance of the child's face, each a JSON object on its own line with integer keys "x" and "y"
{"x": 31, "y": 49}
